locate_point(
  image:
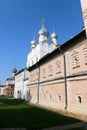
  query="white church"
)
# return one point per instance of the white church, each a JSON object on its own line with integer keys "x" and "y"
{"x": 38, "y": 50}
{"x": 42, "y": 47}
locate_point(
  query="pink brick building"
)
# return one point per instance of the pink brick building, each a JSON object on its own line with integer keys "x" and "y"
{"x": 59, "y": 79}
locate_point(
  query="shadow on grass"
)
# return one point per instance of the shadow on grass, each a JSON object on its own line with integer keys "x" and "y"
{"x": 76, "y": 129}
{"x": 18, "y": 114}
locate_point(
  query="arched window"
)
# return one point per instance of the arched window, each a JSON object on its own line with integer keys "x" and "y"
{"x": 58, "y": 66}
{"x": 79, "y": 99}
{"x": 59, "y": 97}
{"x": 75, "y": 59}
{"x": 44, "y": 96}
{"x": 50, "y": 69}
{"x": 50, "y": 96}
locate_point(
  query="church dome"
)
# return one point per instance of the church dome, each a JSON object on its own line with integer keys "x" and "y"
{"x": 43, "y": 31}
{"x": 14, "y": 70}
{"x": 54, "y": 35}
{"x": 33, "y": 43}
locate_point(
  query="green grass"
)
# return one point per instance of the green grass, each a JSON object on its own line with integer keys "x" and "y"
{"x": 76, "y": 129}
{"x": 18, "y": 114}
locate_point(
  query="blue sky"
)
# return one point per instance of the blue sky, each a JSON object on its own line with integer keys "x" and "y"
{"x": 21, "y": 19}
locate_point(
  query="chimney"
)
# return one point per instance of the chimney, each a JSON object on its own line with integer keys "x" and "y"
{"x": 84, "y": 13}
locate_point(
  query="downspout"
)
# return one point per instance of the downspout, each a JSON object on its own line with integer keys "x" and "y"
{"x": 65, "y": 79}
{"x": 38, "y": 91}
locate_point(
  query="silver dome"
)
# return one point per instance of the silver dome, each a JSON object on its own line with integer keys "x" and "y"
{"x": 43, "y": 31}
{"x": 14, "y": 70}
{"x": 33, "y": 43}
{"x": 54, "y": 35}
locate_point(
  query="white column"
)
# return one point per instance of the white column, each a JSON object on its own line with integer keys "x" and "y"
{"x": 84, "y": 13}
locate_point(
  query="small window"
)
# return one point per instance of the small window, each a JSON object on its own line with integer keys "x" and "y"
{"x": 50, "y": 96}
{"x": 44, "y": 96}
{"x": 79, "y": 99}
{"x": 75, "y": 59}
{"x": 58, "y": 66}
{"x": 59, "y": 97}
{"x": 44, "y": 72}
{"x": 50, "y": 70}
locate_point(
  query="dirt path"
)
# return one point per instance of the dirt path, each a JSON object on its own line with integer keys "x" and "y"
{"x": 75, "y": 125}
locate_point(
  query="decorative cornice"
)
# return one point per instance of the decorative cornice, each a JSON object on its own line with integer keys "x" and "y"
{"x": 82, "y": 73}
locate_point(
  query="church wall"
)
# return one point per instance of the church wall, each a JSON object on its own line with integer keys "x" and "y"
{"x": 78, "y": 95}
{"x": 53, "y": 95}
{"x": 51, "y": 69}
{"x": 51, "y": 83}
{"x": 79, "y": 52}
{"x": 33, "y": 56}
{"x": 33, "y": 93}
{"x": 51, "y": 92}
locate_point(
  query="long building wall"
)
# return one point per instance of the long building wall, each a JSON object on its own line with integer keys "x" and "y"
{"x": 60, "y": 79}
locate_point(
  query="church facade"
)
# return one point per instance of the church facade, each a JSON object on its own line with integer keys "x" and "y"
{"x": 42, "y": 47}
{"x": 57, "y": 75}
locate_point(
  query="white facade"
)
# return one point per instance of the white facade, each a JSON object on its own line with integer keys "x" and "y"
{"x": 21, "y": 81}
{"x": 42, "y": 47}
{"x": 38, "y": 50}
{"x": 84, "y": 13}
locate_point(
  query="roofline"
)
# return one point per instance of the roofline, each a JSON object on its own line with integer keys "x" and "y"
{"x": 62, "y": 47}
{"x": 21, "y": 71}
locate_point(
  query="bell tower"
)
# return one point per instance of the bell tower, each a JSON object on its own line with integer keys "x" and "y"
{"x": 84, "y": 13}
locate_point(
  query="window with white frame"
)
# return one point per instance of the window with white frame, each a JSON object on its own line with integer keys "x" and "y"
{"x": 50, "y": 71}
{"x": 59, "y": 97}
{"x": 58, "y": 66}
{"x": 50, "y": 96}
{"x": 75, "y": 59}
{"x": 44, "y": 72}
{"x": 85, "y": 54}
{"x": 44, "y": 96}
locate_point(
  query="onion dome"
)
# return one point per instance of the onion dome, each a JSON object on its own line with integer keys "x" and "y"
{"x": 54, "y": 36}
{"x": 14, "y": 70}
{"x": 33, "y": 43}
{"x": 43, "y": 31}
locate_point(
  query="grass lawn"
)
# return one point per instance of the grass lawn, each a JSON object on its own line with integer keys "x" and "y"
{"x": 18, "y": 114}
